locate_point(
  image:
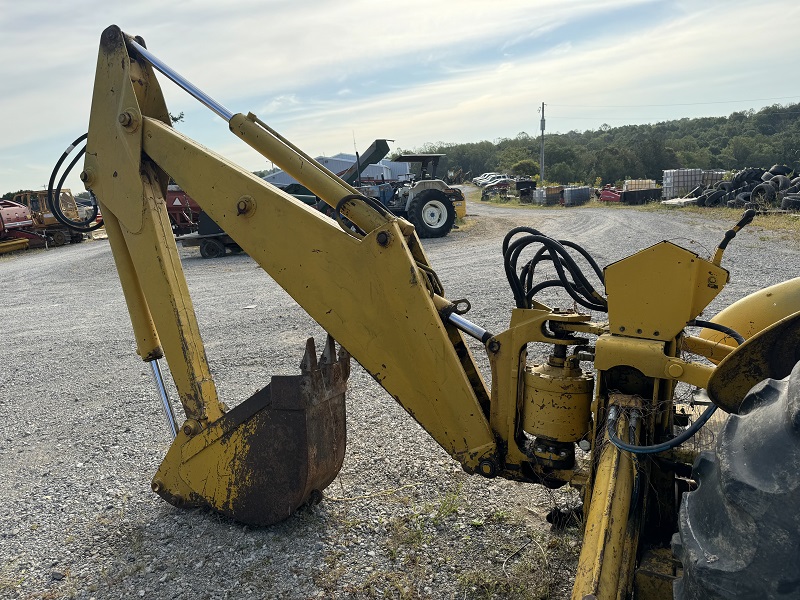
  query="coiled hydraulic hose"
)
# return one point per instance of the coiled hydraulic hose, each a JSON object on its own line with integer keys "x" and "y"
{"x": 54, "y": 198}
{"x": 570, "y": 276}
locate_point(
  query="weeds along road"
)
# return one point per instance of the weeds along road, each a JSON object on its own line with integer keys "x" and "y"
{"x": 81, "y": 433}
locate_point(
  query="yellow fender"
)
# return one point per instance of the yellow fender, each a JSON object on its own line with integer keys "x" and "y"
{"x": 756, "y": 312}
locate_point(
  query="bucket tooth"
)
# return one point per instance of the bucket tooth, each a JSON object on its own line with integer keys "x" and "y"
{"x": 328, "y": 356}
{"x": 344, "y": 362}
{"x": 309, "y": 362}
{"x": 269, "y": 455}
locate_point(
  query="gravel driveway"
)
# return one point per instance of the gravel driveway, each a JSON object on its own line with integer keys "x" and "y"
{"x": 81, "y": 434}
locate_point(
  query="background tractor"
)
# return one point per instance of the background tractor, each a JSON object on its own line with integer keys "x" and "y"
{"x": 429, "y": 203}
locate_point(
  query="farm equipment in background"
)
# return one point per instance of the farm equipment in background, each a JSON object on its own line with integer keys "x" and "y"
{"x": 51, "y": 231}
{"x": 210, "y": 238}
{"x": 428, "y": 203}
{"x": 15, "y": 227}
{"x": 611, "y": 431}
{"x": 182, "y": 210}
{"x": 194, "y": 228}
{"x": 636, "y": 191}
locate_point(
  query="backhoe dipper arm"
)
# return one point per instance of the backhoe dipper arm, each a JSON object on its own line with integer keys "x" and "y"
{"x": 375, "y": 294}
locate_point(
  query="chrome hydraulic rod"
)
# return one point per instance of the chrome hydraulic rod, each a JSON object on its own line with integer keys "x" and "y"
{"x": 470, "y": 328}
{"x": 180, "y": 80}
{"x": 165, "y": 403}
{"x": 275, "y": 147}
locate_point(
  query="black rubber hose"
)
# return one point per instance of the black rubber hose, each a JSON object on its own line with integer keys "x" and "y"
{"x": 580, "y": 293}
{"x": 717, "y": 327}
{"x": 580, "y": 289}
{"x": 581, "y": 285}
{"x": 54, "y": 199}
{"x": 82, "y": 226}
{"x": 340, "y": 219}
{"x": 611, "y": 426}
{"x": 691, "y": 430}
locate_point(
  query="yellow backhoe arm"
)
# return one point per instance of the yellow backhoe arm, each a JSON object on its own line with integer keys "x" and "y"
{"x": 376, "y": 294}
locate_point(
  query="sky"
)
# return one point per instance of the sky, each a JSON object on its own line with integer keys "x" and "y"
{"x": 331, "y": 76}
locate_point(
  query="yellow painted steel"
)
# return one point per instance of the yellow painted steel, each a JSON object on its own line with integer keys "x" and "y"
{"x": 461, "y": 208}
{"x": 655, "y": 292}
{"x": 771, "y": 353}
{"x": 648, "y": 357}
{"x": 606, "y": 557}
{"x": 557, "y": 402}
{"x": 375, "y": 295}
{"x": 393, "y": 328}
{"x": 12, "y": 245}
{"x": 508, "y": 357}
{"x": 755, "y": 312}
{"x": 302, "y": 167}
{"x": 132, "y": 196}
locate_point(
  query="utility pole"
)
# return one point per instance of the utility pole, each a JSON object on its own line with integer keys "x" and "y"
{"x": 541, "y": 156}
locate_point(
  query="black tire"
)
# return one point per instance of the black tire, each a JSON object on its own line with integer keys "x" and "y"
{"x": 432, "y": 214}
{"x": 726, "y": 186}
{"x": 211, "y": 248}
{"x": 76, "y": 238}
{"x": 764, "y": 193}
{"x": 767, "y": 176}
{"x": 780, "y": 170}
{"x": 741, "y": 199}
{"x": 701, "y": 200}
{"x": 715, "y": 198}
{"x": 780, "y": 182}
{"x": 791, "y": 203}
{"x": 739, "y": 531}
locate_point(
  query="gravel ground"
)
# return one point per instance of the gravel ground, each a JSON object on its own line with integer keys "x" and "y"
{"x": 81, "y": 434}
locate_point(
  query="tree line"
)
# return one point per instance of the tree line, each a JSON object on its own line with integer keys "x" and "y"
{"x": 612, "y": 154}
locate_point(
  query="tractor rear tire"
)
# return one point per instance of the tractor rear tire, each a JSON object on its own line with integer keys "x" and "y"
{"x": 739, "y": 531}
{"x": 211, "y": 248}
{"x": 432, "y": 214}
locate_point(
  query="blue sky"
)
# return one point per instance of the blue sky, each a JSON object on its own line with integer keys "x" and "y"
{"x": 327, "y": 73}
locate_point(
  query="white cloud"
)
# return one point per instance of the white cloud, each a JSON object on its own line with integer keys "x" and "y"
{"x": 318, "y": 71}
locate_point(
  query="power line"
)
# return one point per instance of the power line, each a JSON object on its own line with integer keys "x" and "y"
{"x": 675, "y": 104}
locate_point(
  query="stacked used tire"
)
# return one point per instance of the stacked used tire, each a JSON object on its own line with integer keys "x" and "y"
{"x": 759, "y": 189}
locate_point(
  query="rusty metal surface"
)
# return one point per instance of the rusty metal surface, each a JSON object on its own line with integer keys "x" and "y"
{"x": 272, "y": 453}
{"x": 769, "y": 354}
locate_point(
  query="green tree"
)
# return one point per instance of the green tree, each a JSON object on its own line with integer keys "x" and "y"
{"x": 525, "y": 167}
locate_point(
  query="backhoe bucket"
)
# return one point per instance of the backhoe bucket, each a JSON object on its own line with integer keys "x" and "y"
{"x": 272, "y": 453}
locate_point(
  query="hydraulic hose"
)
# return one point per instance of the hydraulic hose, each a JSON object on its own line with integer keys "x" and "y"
{"x": 614, "y": 411}
{"x": 611, "y": 427}
{"x": 54, "y": 198}
{"x": 717, "y": 327}
{"x": 570, "y": 276}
